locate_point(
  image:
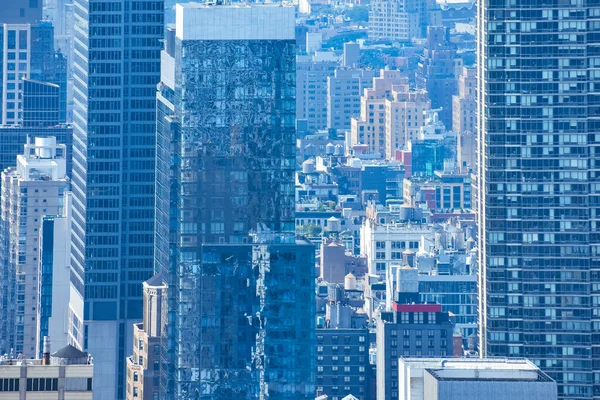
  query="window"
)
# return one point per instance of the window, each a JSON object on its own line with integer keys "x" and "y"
{"x": 135, "y": 377}
{"x": 9, "y": 385}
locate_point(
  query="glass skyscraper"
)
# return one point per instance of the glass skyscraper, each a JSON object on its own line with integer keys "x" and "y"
{"x": 116, "y": 70}
{"x": 539, "y": 187}
{"x": 240, "y": 284}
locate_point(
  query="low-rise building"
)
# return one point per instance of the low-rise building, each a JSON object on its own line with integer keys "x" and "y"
{"x": 64, "y": 375}
{"x": 472, "y": 379}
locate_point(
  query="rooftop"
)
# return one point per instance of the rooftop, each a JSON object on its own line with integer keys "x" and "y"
{"x": 497, "y": 369}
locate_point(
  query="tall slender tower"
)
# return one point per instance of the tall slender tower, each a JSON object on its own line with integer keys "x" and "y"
{"x": 241, "y": 304}
{"x": 117, "y": 63}
{"x": 539, "y": 187}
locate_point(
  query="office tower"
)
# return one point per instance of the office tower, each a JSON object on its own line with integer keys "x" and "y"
{"x": 401, "y": 20}
{"x": 117, "y": 64}
{"x": 143, "y": 366}
{"x": 40, "y": 104}
{"x": 31, "y": 190}
{"x": 225, "y": 208}
{"x": 54, "y": 275}
{"x": 311, "y": 88}
{"x": 65, "y": 374}
{"x": 472, "y": 379}
{"x": 538, "y": 189}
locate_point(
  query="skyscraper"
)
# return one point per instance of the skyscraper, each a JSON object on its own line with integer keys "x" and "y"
{"x": 539, "y": 187}
{"x": 117, "y": 63}
{"x": 240, "y": 285}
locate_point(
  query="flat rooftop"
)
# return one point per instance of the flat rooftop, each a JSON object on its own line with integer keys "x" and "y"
{"x": 500, "y": 369}
{"x": 236, "y": 21}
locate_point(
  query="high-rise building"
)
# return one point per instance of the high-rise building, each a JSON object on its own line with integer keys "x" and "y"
{"x": 538, "y": 188}
{"x": 117, "y": 68}
{"x": 225, "y": 207}
{"x": 31, "y": 190}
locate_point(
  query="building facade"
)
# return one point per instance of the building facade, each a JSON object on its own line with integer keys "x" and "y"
{"x": 464, "y": 119}
{"x": 344, "y": 89}
{"x": 63, "y": 375}
{"x": 401, "y": 20}
{"x": 311, "y": 90}
{"x": 31, "y": 190}
{"x": 417, "y": 330}
{"x": 225, "y": 207}
{"x": 117, "y": 68}
{"x": 391, "y": 114}
{"x": 537, "y": 184}
{"x": 143, "y": 366}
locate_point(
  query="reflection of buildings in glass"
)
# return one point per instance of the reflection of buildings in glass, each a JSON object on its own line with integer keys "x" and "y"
{"x": 241, "y": 288}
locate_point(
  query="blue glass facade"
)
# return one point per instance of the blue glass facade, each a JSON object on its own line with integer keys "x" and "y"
{"x": 241, "y": 304}
{"x": 117, "y": 66}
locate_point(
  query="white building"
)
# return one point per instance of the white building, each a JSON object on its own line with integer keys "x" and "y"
{"x": 30, "y": 191}
{"x": 65, "y": 375}
{"x": 473, "y": 379}
{"x": 383, "y": 241}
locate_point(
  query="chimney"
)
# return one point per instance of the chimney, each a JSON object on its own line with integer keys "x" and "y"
{"x": 46, "y": 351}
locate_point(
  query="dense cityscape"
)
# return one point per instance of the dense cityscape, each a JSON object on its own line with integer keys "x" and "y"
{"x": 317, "y": 199}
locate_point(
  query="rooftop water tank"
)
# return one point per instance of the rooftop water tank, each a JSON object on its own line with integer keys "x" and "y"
{"x": 308, "y": 167}
{"x": 350, "y": 282}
